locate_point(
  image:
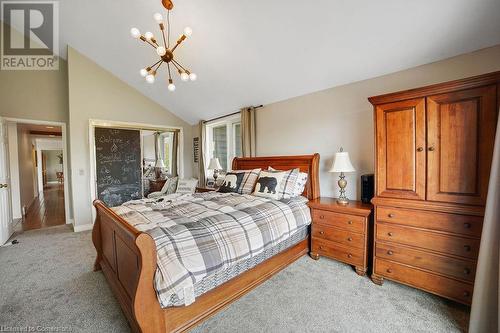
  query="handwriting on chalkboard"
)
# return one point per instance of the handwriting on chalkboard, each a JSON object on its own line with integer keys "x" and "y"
{"x": 118, "y": 165}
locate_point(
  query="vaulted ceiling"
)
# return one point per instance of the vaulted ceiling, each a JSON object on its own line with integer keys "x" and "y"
{"x": 262, "y": 51}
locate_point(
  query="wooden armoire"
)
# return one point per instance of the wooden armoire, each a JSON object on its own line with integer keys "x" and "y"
{"x": 433, "y": 148}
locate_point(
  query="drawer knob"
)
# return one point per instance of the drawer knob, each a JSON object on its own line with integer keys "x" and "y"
{"x": 390, "y": 215}
{"x": 349, "y": 222}
{"x": 420, "y": 149}
{"x": 321, "y": 247}
{"x": 467, "y": 225}
{"x": 466, "y": 293}
{"x": 389, "y": 270}
{"x": 349, "y": 255}
{"x": 390, "y": 252}
{"x": 349, "y": 239}
{"x": 467, "y": 248}
{"x": 432, "y": 148}
{"x": 321, "y": 232}
{"x": 322, "y": 217}
{"x": 390, "y": 233}
{"x": 466, "y": 271}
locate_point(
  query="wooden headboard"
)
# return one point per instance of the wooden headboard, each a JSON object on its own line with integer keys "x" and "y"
{"x": 306, "y": 163}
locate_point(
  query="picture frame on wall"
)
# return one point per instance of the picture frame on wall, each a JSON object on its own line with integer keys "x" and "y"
{"x": 196, "y": 149}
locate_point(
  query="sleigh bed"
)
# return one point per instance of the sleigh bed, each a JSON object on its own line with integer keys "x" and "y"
{"x": 128, "y": 259}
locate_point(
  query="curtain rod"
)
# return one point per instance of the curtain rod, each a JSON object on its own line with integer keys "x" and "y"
{"x": 228, "y": 115}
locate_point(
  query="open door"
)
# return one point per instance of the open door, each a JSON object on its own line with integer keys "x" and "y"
{"x": 5, "y": 201}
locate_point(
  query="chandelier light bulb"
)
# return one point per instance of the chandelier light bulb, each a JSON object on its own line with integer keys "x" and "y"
{"x": 161, "y": 51}
{"x": 184, "y": 76}
{"x": 193, "y": 76}
{"x": 188, "y": 31}
{"x": 171, "y": 87}
{"x": 148, "y": 35}
{"x": 143, "y": 72}
{"x": 158, "y": 18}
{"x": 134, "y": 32}
{"x": 150, "y": 78}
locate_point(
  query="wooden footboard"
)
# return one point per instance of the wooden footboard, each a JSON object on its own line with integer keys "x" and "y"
{"x": 127, "y": 258}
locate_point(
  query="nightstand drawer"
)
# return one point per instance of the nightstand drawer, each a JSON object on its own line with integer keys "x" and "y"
{"x": 345, "y": 237}
{"x": 326, "y": 248}
{"x": 460, "y": 224}
{"x": 465, "y": 247}
{"x": 344, "y": 221}
{"x": 440, "y": 285}
{"x": 462, "y": 269}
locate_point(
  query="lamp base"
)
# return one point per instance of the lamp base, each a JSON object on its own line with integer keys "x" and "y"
{"x": 343, "y": 201}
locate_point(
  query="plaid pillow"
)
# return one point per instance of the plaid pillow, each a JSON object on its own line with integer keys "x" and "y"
{"x": 300, "y": 183}
{"x": 249, "y": 179}
{"x": 282, "y": 184}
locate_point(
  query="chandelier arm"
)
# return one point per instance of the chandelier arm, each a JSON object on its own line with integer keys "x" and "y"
{"x": 179, "y": 41}
{"x": 169, "y": 74}
{"x": 185, "y": 70}
{"x": 176, "y": 67}
{"x": 161, "y": 62}
{"x": 163, "y": 35}
{"x": 147, "y": 41}
{"x": 168, "y": 29}
{"x": 156, "y": 63}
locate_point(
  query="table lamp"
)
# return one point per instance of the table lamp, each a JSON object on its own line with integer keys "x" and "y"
{"x": 215, "y": 165}
{"x": 342, "y": 164}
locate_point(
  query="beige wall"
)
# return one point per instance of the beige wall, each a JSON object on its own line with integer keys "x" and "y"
{"x": 52, "y": 164}
{"x": 27, "y": 172}
{"x": 341, "y": 116}
{"x": 94, "y": 93}
{"x": 39, "y": 95}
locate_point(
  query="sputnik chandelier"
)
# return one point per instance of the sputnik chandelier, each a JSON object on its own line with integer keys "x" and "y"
{"x": 164, "y": 51}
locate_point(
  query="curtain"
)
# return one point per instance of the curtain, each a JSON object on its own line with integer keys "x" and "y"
{"x": 175, "y": 153}
{"x": 485, "y": 310}
{"x": 248, "y": 132}
{"x": 201, "y": 158}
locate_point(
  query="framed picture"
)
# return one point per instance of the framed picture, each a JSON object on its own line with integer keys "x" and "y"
{"x": 196, "y": 149}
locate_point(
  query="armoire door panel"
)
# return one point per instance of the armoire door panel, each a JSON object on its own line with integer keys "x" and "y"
{"x": 401, "y": 149}
{"x": 460, "y": 135}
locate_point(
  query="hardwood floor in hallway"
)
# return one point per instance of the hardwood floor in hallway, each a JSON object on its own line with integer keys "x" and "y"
{"x": 47, "y": 210}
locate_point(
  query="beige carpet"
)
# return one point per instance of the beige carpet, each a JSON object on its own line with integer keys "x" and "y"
{"x": 47, "y": 281}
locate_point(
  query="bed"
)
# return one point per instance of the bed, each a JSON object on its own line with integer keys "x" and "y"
{"x": 128, "y": 259}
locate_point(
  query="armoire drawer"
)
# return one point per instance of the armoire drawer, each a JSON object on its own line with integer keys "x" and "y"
{"x": 462, "y": 269}
{"x": 456, "y": 290}
{"x": 465, "y": 247}
{"x": 345, "y": 237}
{"x": 461, "y": 224}
{"x": 344, "y": 221}
{"x": 326, "y": 248}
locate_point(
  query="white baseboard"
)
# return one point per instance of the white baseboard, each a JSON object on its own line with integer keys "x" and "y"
{"x": 70, "y": 221}
{"x": 84, "y": 227}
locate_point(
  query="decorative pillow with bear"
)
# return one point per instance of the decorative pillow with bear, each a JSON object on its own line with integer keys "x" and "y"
{"x": 248, "y": 182}
{"x": 268, "y": 184}
{"x": 300, "y": 184}
{"x": 232, "y": 182}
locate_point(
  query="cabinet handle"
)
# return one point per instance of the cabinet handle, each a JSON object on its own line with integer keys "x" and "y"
{"x": 349, "y": 255}
{"x": 431, "y": 148}
{"x": 349, "y": 222}
{"x": 3, "y": 185}
{"x": 349, "y": 239}
{"x": 390, "y": 252}
{"x": 389, "y": 270}
{"x": 467, "y": 225}
{"x": 467, "y": 248}
{"x": 322, "y": 217}
{"x": 420, "y": 149}
{"x": 321, "y": 232}
{"x": 391, "y": 215}
{"x": 390, "y": 233}
{"x": 466, "y": 271}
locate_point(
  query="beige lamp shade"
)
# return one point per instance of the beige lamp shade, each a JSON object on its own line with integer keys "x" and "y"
{"x": 159, "y": 163}
{"x": 214, "y": 164}
{"x": 342, "y": 163}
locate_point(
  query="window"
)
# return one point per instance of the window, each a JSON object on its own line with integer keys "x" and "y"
{"x": 224, "y": 141}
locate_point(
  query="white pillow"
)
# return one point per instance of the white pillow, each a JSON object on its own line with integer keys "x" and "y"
{"x": 186, "y": 186}
{"x": 268, "y": 184}
{"x": 300, "y": 184}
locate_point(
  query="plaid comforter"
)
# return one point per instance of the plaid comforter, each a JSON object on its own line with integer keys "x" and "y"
{"x": 199, "y": 234}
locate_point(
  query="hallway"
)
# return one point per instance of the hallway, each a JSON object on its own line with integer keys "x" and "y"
{"x": 47, "y": 210}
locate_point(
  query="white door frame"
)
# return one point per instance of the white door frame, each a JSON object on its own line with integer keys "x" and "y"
{"x": 93, "y": 123}
{"x": 69, "y": 220}
{"x": 7, "y": 228}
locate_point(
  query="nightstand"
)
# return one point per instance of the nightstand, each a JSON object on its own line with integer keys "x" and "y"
{"x": 202, "y": 189}
{"x": 341, "y": 232}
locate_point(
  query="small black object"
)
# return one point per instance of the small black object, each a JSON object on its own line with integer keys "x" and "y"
{"x": 15, "y": 241}
{"x": 367, "y": 187}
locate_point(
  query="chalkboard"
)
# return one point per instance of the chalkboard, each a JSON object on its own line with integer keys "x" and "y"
{"x": 118, "y": 165}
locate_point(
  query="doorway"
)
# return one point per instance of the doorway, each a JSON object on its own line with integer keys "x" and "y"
{"x": 36, "y": 161}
